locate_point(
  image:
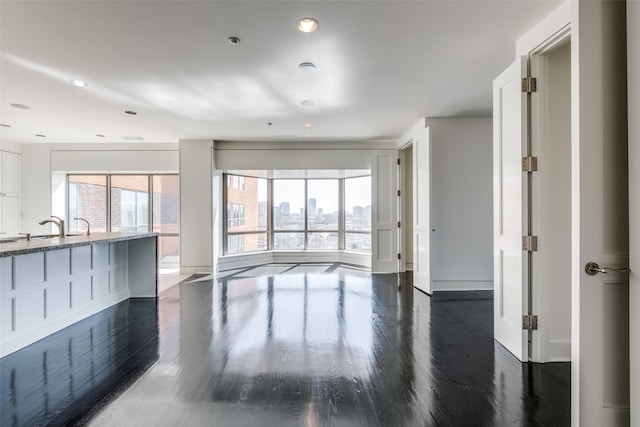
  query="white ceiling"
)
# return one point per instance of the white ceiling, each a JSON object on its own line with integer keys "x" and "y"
{"x": 381, "y": 65}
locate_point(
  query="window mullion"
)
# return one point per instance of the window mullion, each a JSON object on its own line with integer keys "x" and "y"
{"x": 108, "y": 201}
{"x": 341, "y": 215}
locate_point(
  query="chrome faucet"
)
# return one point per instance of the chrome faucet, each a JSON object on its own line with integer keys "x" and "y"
{"x": 88, "y": 226}
{"x": 59, "y": 223}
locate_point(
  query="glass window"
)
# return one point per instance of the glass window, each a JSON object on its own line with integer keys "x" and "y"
{"x": 88, "y": 200}
{"x": 359, "y": 242}
{"x": 288, "y": 204}
{"x": 288, "y": 241}
{"x": 246, "y": 214}
{"x": 166, "y": 218}
{"x": 357, "y": 204}
{"x": 129, "y": 203}
{"x": 322, "y": 240}
{"x": 322, "y": 196}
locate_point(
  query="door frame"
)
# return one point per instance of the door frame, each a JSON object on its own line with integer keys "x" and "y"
{"x": 587, "y": 387}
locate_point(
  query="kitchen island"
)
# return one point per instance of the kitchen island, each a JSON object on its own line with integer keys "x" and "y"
{"x": 49, "y": 284}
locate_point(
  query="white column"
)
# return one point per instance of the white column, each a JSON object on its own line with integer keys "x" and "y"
{"x": 196, "y": 219}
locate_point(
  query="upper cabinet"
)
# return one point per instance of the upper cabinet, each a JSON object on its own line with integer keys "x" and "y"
{"x": 10, "y": 163}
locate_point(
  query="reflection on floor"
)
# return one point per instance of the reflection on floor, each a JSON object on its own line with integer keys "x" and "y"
{"x": 326, "y": 344}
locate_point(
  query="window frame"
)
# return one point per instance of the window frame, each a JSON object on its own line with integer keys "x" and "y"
{"x": 305, "y": 230}
{"x": 108, "y": 190}
{"x": 238, "y": 183}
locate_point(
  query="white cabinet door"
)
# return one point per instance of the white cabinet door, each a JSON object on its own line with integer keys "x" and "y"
{"x": 10, "y": 163}
{"x": 8, "y": 216}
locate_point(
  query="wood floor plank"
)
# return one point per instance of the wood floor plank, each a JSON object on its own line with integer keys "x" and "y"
{"x": 288, "y": 346}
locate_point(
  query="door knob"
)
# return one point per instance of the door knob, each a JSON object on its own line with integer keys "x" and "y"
{"x": 592, "y": 268}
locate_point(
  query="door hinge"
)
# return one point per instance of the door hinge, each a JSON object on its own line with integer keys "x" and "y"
{"x": 399, "y": 256}
{"x": 398, "y": 160}
{"x": 398, "y": 193}
{"x": 529, "y": 164}
{"x": 530, "y": 243}
{"x": 398, "y": 224}
{"x": 529, "y": 84}
{"x": 530, "y": 322}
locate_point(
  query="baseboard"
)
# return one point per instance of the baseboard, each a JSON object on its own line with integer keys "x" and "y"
{"x": 461, "y": 285}
{"x": 232, "y": 262}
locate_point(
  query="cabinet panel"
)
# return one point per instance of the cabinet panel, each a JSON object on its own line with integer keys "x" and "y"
{"x": 101, "y": 286}
{"x": 6, "y": 274}
{"x": 58, "y": 263}
{"x": 30, "y": 310}
{"x": 29, "y": 270}
{"x": 80, "y": 260}
{"x": 100, "y": 256}
{"x": 7, "y": 306}
{"x": 81, "y": 292}
{"x": 10, "y": 163}
{"x": 9, "y": 213}
{"x": 58, "y": 300}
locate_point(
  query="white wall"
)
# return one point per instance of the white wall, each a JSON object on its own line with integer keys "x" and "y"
{"x": 294, "y": 155}
{"x": 41, "y": 162}
{"x": 461, "y": 204}
{"x": 633, "y": 70}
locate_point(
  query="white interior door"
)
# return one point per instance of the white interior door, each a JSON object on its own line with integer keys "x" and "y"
{"x": 422, "y": 210}
{"x": 509, "y": 213}
{"x": 600, "y": 217}
{"x": 384, "y": 199}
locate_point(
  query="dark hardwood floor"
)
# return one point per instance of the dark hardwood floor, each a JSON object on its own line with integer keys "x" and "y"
{"x": 285, "y": 345}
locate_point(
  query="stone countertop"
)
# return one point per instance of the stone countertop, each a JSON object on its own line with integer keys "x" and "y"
{"x": 23, "y": 246}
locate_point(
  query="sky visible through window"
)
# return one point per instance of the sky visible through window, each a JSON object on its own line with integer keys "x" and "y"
{"x": 292, "y": 191}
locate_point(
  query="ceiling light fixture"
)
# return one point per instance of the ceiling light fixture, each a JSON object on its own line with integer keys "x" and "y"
{"x": 234, "y": 40}
{"x": 78, "y": 83}
{"x": 307, "y": 125}
{"x": 20, "y": 106}
{"x": 133, "y": 113}
{"x": 4, "y": 125}
{"x": 41, "y": 135}
{"x": 307, "y": 67}
{"x": 307, "y": 25}
{"x": 307, "y": 102}
{"x": 99, "y": 135}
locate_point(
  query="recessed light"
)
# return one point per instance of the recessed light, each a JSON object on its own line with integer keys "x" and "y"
{"x": 307, "y": 25}
{"x": 40, "y": 135}
{"x": 133, "y": 113}
{"x": 132, "y": 138}
{"x": 99, "y": 135}
{"x": 307, "y": 134}
{"x": 307, "y": 125}
{"x": 234, "y": 40}
{"x": 307, "y": 67}
{"x": 5, "y": 125}
{"x": 20, "y": 106}
{"x": 307, "y": 102}
{"x": 78, "y": 83}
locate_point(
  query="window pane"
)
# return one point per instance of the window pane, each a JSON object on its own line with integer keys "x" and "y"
{"x": 166, "y": 203}
{"x": 168, "y": 253}
{"x": 359, "y": 242}
{"x": 357, "y": 203}
{"x": 323, "y": 204}
{"x": 246, "y": 203}
{"x": 129, "y": 203}
{"x": 288, "y": 240}
{"x": 241, "y": 243}
{"x": 88, "y": 200}
{"x": 322, "y": 241}
{"x": 288, "y": 204}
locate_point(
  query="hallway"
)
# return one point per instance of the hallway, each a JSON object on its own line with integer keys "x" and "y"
{"x": 287, "y": 344}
